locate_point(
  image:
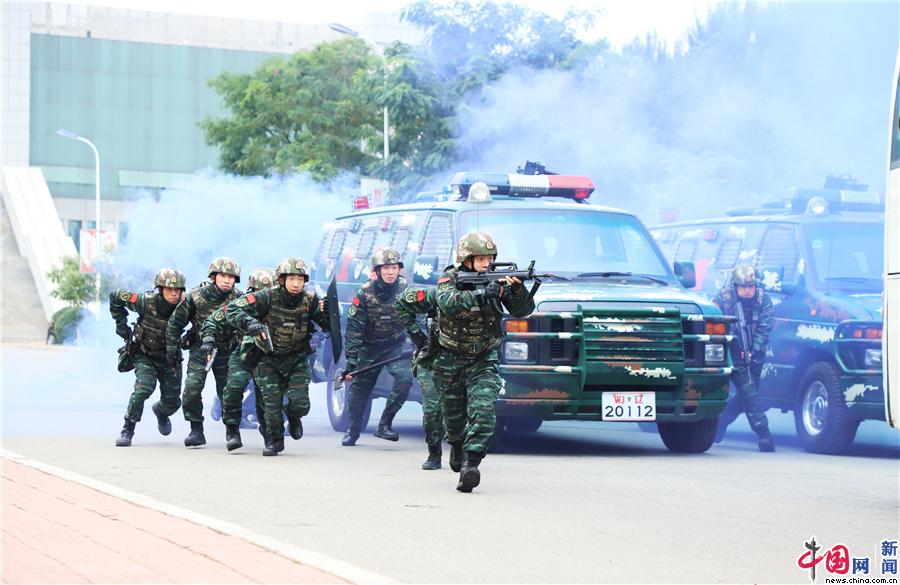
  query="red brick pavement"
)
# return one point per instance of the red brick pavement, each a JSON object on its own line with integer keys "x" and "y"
{"x": 59, "y": 531}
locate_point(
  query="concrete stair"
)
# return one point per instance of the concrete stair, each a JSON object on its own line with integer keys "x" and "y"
{"x": 21, "y": 315}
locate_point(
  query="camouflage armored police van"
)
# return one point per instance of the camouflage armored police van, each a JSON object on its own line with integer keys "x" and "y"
{"x": 615, "y": 335}
{"x": 820, "y": 252}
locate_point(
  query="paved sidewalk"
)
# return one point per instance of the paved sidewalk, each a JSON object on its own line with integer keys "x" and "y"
{"x": 59, "y": 531}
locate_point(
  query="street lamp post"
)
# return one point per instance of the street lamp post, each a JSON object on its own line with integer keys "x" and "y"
{"x": 346, "y": 30}
{"x": 73, "y": 136}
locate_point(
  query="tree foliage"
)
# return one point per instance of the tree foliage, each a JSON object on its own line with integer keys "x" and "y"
{"x": 320, "y": 111}
{"x": 72, "y": 286}
{"x": 303, "y": 113}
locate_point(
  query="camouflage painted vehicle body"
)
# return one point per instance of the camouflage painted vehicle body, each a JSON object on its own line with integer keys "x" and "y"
{"x": 824, "y": 356}
{"x": 590, "y": 334}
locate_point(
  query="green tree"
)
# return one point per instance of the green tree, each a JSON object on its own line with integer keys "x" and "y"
{"x": 72, "y": 286}
{"x": 303, "y": 113}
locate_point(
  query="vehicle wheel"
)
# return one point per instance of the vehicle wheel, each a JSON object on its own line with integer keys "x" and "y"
{"x": 523, "y": 424}
{"x": 339, "y": 410}
{"x": 821, "y": 417}
{"x": 688, "y": 437}
{"x": 495, "y": 445}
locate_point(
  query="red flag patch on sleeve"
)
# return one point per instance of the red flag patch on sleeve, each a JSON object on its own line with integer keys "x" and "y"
{"x": 133, "y": 298}
{"x": 251, "y": 299}
{"x": 443, "y": 279}
{"x": 356, "y": 301}
{"x": 420, "y": 295}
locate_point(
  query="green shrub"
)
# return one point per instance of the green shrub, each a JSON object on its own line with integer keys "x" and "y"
{"x": 65, "y": 322}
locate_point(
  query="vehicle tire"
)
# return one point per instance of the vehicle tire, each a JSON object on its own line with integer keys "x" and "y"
{"x": 688, "y": 437}
{"x": 821, "y": 416}
{"x": 495, "y": 444}
{"x": 522, "y": 424}
{"x": 338, "y": 408}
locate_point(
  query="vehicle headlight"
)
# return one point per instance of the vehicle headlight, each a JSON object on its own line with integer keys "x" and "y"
{"x": 715, "y": 353}
{"x": 873, "y": 358}
{"x": 515, "y": 351}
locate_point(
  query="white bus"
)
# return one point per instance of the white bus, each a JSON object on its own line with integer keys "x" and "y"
{"x": 891, "y": 335}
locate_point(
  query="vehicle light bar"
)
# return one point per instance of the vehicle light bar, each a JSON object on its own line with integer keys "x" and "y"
{"x": 574, "y": 187}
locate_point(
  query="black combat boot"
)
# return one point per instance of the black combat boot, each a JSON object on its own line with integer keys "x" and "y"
{"x": 456, "y": 456}
{"x": 196, "y": 438}
{"x": 295, "y": 428}
{"x": 469, "y": 476}
{"x": 127, "y": 433}
{"x": 384, "y": 430}
{"x": 434, "y": 458}
{"x": 274, "y": 447}
{"x": 350, "y": 437}
{"x": 163, "y": 424}
{"x": 233, "y": 437}
{"x": 766, "y": 443}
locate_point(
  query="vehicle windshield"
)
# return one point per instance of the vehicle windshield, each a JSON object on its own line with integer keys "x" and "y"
{"x": 847, "y": 256}
{"x": 569, "y": 242}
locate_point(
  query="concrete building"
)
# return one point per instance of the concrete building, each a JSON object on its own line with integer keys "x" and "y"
{"x": 135, "y": 84}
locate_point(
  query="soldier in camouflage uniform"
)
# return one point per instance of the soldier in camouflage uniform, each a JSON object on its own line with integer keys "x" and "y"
{"x": 374, "y": 334}
{"x": 288, "y": 311}
{"x": 466, "y": 367}
{"x": 197, "y": 306}
{"x": 217, "y": 328}
{"x": 153, "y": 309}
{"x": 409, "y": 306}
{"x": 747, "y": 361}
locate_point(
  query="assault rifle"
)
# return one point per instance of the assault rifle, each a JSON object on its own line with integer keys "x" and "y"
{"x": 498, "y": 271}
{"x": 340, "y": 376}
{"x": 745, "y": 336}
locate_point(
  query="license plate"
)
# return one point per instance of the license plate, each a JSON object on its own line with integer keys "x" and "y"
{"x": 628, "y": 406}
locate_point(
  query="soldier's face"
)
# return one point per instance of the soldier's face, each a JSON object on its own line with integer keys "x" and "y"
{"x": 390, "y": 273}
{"x": 225, "y": 282}
{"x": 294, "y": 283}
{"x": 172, "y": 295}
{"x": 481, "y": 263}
{"x": 746, "y": 291}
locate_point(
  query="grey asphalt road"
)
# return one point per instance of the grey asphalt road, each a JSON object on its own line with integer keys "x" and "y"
{"x": 573, "y": 503}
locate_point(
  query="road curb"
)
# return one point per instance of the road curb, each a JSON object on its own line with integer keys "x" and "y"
{"x": 338, "y": 568}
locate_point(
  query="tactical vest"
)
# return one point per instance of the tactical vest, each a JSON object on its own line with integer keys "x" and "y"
{"x": 150, "y": 330}
{"x": 203, "y": 308}
{"x": 289, "y": 326}
{"x": 383, "y": 327}
{"x": 752, "y": 309}
{"x": 469, "y": 332}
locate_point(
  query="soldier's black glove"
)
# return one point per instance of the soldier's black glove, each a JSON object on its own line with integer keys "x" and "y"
{"x": 123, "y": 331}
{"x": 323, "y": 305}
{"x": 207, "y": 347}
{"x": 493, "y": 291}
{"x": 418, "y": 338}
{"x": 255, "y": 328}
{"x": 172, "y": 358}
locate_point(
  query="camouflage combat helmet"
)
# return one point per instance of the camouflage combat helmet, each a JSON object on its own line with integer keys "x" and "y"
{"x": 475, "y": 244}
{"x": 743, "y": 275}
{"x": 225, "y": 265}
{"x": 261, "y": 278}
{"x": 386, "y": 256}
{"x": 170, "y": 278}
{"x": 292, "y": 265}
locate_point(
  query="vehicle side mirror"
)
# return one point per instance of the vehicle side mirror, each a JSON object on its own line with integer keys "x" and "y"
{"x": 685, "y": 273}
{"x": 425, "y": 270}
{"x": 771, "y": 279}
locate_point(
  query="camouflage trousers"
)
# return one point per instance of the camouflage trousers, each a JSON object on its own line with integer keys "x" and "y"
{"x": 469, "y": 388}
{"x": 432, "y": 419}
{"x": 746, "y": 400}
{"x": 147, "y": 371}
{"x": 362, "y": 387}
{"x": 195, "y": 380}
{"x": 280, "y": 377}
{"x": 239, "y": 376}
